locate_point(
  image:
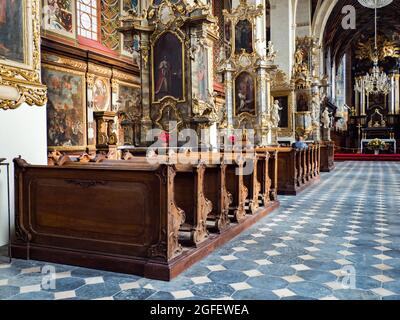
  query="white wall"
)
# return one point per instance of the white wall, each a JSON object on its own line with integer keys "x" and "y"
{"x": 22, "y": 132}
{"x": 282, "y": 33}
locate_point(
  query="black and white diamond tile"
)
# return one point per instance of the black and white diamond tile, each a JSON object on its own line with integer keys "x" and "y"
{"x": 338, "y": 240}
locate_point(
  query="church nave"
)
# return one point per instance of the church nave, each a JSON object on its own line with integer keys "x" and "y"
{"x": 341, "y": 232}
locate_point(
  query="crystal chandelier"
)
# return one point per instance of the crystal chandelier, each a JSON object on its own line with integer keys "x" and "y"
{"x": 375, "y": 4}
{"x": 378, "y": 81}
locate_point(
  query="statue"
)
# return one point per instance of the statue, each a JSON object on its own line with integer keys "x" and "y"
{"x": 315, "y": 110}
{"x": 271, "y": 53}
{"x": 136, "y": 57}
{"x": 326, "y": 119}
{"x": 222, "y": 56}
{"x": 275, "y": 117}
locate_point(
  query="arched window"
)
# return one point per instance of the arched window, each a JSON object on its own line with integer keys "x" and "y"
{"x": 88, "y": 19}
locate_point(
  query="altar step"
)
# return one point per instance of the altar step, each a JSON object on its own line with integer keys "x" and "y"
{"x": 366, "y": 157}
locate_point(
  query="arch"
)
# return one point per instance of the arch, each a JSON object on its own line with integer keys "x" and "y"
{"x": 321, "y": 19}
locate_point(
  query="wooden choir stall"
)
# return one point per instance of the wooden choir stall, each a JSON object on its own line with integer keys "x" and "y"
{"x": 135, "y": 216}
{"x": 298, "y": 169}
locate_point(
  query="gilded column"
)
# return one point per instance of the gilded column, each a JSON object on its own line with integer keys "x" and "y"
{"x": 145, "y": 80}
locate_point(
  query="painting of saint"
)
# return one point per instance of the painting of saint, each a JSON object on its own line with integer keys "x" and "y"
{"x": 130, "y": 5}
{"x": 59, "y": 17}
{"x": 66, "y": 124}
{"x": 284, "y": 113}
{"x": 168, "y": 68}
{"x": 302, "y": 102}
{"x": 101, "y": 95}
{"x": 245, "y": 96}
{"x": 12, "y": 30}
{"x": 129, "y": 100}
{"x": 243, "y": 37}
{"x": 202, "y": 78}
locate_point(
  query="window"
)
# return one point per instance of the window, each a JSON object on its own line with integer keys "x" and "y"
{"x": 87, "y": 19}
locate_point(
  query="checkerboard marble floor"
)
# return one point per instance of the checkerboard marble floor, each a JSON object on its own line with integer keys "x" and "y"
{"x": 340, "y": 239}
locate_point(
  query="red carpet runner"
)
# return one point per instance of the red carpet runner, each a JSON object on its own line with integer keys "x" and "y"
{"x": 366, "y": 157}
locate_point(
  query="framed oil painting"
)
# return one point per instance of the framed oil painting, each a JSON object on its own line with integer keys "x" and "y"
{"x": 66, "y": 108}
{"x": 302, "y": 101}
{"x": 243, "y": 37}
{"x": 129, "y": 100}
{"x": 245, "y": 94}
{"x": 168, "y": 68}
{"x": 12, "y": 26}
{"x": 59, "y": 17}
{"x": 101, "y": 94}
{"x": 286, "y": 103}
{"x": 200, "y": 75}
{"x": 284, "y": 113}
{"x": 20, "y": 53}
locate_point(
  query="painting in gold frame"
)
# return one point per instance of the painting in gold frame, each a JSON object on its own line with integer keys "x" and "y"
{"x": 286, "y": 101}
{"x": 66, "y": 108}
{"x": 20, "y": 54}
{"x": 245, "y": 94}
{"x": 244, "y": 37}
{"x": 168, "y": 68}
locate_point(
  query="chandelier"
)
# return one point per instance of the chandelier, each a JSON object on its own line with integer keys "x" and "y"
{"x": 375, "y": 4}
{"x": 377, "y": 81}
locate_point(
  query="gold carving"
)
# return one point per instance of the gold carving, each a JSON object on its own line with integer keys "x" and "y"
{"x": 25, "y": 79}
{"x": 386, "y": 49}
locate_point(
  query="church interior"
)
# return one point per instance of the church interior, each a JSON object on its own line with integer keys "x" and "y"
{"x": 199, "y": 150}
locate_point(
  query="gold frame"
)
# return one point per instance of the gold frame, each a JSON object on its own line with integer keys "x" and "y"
{"x": 154, "y": 101}
{"x": 286, "y": 131}
{"x": 253, "y": 38}
{"x": 243, "y": 11}
{"x": 84, "y": 106}
{"x": 169, "y": 103}
{"x": 236, "y": 115}
{"x": 24, "y": 80}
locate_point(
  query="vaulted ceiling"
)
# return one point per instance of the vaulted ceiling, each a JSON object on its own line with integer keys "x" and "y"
{"x": 339, "y": 39}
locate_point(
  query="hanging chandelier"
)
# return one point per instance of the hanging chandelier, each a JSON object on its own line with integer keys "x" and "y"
{"x": 377, "y": 81}
{"x": 375, "y": 4}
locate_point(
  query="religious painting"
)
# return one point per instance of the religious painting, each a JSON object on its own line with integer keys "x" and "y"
{"x": 377, "y": 100}
{"x": 129, "y": 101}
{"x": 227, "y": 31}
{"x": 168, "y": 68}
{"x": 128, "y": 5}
{"x": 101, "y": 94}
{"x": 302, "y": 101}
{"x": 243, "y": 37}
{"x": 284, "y": 111}
{"x": 245, "y": 94}
{"x": 66, "y": 108}
{"x": 13, "y": 30}
{"x": 158, "y": 2}
{"x": 20, "y": 54}
{"x": 59, "y": 17}
{"x": 200, "y": 75}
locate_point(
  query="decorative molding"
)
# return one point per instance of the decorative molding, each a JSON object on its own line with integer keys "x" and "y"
{"x": 24, "y": 79}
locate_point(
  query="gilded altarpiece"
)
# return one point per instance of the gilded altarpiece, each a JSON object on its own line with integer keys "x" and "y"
{"x": 176, "y": 42}
{"x": 307, "y": 84}
{"x": 20, "y": 78}
{"x": 247, "y": 74}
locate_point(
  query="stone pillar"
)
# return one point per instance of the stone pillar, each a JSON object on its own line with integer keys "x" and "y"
{"x": 397, "y": 93}
{"x": 263, "y": 104}
{"x": 229, "y": 95}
